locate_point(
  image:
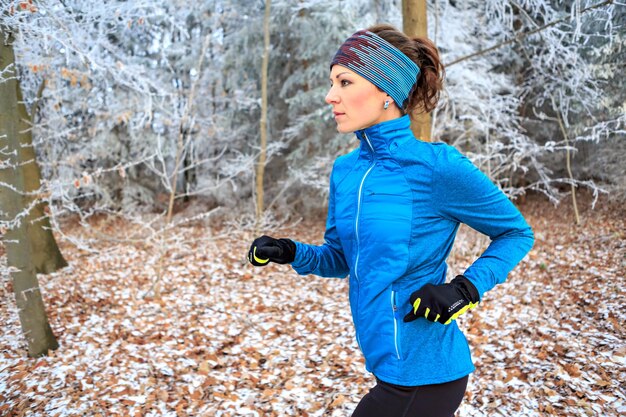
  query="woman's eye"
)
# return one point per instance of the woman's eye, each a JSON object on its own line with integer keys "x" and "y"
{"x": 343, "y": 83}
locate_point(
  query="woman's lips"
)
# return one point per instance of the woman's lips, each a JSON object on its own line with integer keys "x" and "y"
{"x": 337, "y": 114}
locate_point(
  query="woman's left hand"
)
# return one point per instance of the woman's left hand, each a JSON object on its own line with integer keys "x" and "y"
{"x": 443, "y": 303}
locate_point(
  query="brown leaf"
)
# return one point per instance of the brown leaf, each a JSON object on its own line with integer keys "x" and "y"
{"x": 339, "y": 400}
{"x": 162, "y": 395}
{"x": 204, "y": 368}
{"x": 572, "y": 369}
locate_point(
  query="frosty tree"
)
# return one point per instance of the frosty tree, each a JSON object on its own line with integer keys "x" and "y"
{"x": 500, "y": 104}
{"x": 151, "y": 105}
{"x": 29, "y": 247}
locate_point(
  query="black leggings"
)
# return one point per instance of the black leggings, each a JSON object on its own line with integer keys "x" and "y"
{"x": 388, "y": 400}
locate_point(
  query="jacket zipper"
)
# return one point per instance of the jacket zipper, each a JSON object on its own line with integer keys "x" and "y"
{"x": 394, "y": 310}
{"x": 356, "y": 223}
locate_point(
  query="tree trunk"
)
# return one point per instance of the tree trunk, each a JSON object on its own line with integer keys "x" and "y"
{"x": 414, "y": 24}
{"x": 262, "y": 157}
{"x": 46, "y": 256}
{"x": 30, "y": 306}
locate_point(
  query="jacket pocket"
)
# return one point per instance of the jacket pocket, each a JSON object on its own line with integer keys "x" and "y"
{"x": 396, "y": 324}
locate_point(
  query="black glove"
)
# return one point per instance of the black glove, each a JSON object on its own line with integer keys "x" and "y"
{"x": 443, "y": 303}
{"x": 265, "y": 249}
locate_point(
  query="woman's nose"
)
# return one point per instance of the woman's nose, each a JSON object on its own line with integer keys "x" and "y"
{"x": 331, "y": 97}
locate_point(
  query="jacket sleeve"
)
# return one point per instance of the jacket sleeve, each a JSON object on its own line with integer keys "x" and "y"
{"x": 326, "y": 260}
{"x": 462, "y": 193}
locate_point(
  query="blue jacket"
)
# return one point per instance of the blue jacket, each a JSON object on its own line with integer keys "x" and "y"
{"x": 394, "y": 209}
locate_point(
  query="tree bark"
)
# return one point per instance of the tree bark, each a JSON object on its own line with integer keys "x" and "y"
{"x": 46, "y": 256}
{"x": 262, "y": 157}
{"x": 415, "y": 24}
{"x": 28, "y": 298}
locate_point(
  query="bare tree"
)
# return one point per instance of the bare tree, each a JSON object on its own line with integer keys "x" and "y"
{"x": 16, "y": 176}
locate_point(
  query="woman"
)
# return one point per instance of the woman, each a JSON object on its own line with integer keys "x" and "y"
{"x": 394, "y": 208}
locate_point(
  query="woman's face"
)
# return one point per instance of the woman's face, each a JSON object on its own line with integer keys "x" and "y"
{"x": 357, "y": 103}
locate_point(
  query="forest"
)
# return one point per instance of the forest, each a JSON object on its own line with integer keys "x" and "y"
{"x": 145, "y": 144}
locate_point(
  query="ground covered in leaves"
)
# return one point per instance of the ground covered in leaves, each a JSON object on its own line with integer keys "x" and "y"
{"x": 214, "y": 337}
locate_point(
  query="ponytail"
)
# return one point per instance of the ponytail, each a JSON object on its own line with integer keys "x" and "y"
{"x": 425, "y": 94}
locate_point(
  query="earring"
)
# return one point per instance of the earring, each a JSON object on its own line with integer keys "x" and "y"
{"x": 386, "y": 106}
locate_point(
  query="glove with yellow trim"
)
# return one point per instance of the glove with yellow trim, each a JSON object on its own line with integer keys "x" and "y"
{"x": 266, "y": 249}
{"x": 443, "y": 303}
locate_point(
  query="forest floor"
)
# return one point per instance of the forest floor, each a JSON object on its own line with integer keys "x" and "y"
{"x": 218, "y": 338}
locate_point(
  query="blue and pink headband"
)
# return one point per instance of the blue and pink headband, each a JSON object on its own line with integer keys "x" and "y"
{"x": 379, "y": 62}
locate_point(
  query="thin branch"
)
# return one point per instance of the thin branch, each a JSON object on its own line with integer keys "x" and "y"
{"x": 523, "y": 35}
{"x": 35, "y": 107}
{"x": 568, "y": 164}
{"x": 183, "y": 127}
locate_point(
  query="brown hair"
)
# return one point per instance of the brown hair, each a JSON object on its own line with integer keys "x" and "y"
{"x": 424, "y": 96}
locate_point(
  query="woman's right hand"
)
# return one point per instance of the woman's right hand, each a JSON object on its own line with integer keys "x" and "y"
{"x": 265, "y": 249}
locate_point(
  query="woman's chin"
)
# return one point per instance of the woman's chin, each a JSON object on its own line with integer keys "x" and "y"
{"x": 344, "y": 129}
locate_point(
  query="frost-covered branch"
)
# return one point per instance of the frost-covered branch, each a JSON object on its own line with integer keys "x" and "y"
{"x": 523, "y": 35}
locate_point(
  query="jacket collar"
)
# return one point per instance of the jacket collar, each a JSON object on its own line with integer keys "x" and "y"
{"x": 384, "y": 137}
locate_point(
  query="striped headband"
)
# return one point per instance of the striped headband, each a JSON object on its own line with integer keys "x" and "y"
{"x": 379, "y": 62}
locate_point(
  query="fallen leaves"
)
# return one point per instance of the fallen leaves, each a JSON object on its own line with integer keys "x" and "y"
{"x": 223, "y": 339}
{"x": 555, "y": 328}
